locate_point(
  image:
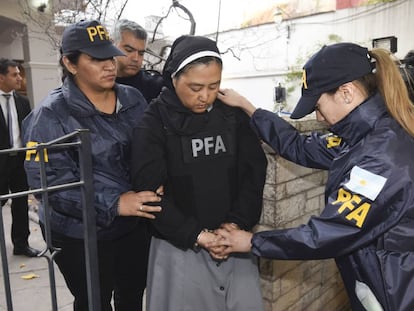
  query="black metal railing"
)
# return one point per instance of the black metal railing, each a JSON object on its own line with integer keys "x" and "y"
{"x": 80, "y": 139}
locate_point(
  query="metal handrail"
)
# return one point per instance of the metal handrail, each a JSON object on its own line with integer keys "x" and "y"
{"x": 89, "y": 218}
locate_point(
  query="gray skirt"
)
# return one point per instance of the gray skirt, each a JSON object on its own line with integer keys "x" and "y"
{"x": 183, "y": 280}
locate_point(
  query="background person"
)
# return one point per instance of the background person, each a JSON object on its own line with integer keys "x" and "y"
{"x": 213, "y": 170}
{"x": 407, "y": 72}
{"x": 131, "y": 39}
{"x": 367, "y": 222}
{"x": 14, "y": 108}
{"x": 90, "y": 99}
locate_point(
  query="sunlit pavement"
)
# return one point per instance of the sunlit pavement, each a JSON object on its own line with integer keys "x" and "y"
{"x": 29, "y": 277}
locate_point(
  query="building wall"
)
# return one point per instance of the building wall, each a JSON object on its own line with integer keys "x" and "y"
{"x": 292, "y": 195}
{"x": 32, "y": 47}
{"x": 257, "y": 58}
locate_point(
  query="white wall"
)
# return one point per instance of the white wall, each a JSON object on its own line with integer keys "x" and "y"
{"x": 41, "y": 65}
{"x": 33, "y": 47}
{"x": 257, "y": 58}
{"x": 267, "y": 52}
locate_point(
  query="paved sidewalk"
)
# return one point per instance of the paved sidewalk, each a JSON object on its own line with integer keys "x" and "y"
{"x": 32, "y": 294}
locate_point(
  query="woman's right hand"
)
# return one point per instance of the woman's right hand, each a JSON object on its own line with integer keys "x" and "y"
{"x": 133, "y": 204}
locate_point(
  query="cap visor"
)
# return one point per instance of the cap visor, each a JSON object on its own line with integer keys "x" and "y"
{"x": 305, "y": 106}
{"x": 102, "y": 51}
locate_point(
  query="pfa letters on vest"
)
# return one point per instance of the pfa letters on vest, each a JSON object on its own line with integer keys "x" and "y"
{"x": 207, "y": 145}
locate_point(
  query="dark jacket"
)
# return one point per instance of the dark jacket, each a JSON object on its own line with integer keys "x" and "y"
{"x": 367, "y": 223}
{"x": 23, "y": 109}
{"x": 65, "y": 110}
{"x": 148, "y": 82}
{"x": 211, "y": 164}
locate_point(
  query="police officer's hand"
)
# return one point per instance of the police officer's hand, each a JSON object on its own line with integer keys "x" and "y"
{"x": 232, "y": 98}
{"x": 234, "y": 241}
{"x": 134, "y": 203}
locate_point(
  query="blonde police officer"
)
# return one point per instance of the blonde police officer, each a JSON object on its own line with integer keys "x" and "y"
{"x": 367, "y": 223}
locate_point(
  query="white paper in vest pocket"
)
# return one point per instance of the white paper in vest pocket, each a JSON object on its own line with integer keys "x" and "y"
{"x": 367, "y": 297}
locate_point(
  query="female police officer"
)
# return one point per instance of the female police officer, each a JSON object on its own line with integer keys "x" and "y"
{"x": 89, "y": 98}
{"x": 367, "y": 223}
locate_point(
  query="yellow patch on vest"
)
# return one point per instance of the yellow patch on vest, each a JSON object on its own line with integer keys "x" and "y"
{"x": 33, "y": 152}
{"x": 351, "y": 202}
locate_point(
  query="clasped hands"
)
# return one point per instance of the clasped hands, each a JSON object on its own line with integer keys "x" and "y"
{"x": 227, "y": 239}
{"x": 220, "y": 243}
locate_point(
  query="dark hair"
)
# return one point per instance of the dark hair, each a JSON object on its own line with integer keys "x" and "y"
{"x": 73, "y": 58}
{"x": 5, "y": 64}
{"x": 407, "y": 73}
{"x": 409, "y": 58}
{"x": 203, "y": 60}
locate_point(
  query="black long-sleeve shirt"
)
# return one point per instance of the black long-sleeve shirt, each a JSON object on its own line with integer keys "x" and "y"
{"x": 212, "y": 166}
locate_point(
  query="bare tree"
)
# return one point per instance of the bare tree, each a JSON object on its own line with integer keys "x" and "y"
{"x": 47, "y": 21}
{"x": 50, "y": 21}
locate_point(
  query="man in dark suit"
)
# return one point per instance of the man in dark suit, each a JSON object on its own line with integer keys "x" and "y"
{"x": 14, "y": 108}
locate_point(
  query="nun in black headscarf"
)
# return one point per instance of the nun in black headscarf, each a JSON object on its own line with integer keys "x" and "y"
{"x": 213, "y": 169}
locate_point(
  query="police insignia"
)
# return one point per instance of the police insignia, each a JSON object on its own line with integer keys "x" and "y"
{"x": 208, "y": 145}
{"x": 333, "y": 141}
{"x": 34, "y": 152}
{"x": 304, "y": 81}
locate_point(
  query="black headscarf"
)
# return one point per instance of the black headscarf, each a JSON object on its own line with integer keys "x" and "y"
{"x": 183, "y": 49}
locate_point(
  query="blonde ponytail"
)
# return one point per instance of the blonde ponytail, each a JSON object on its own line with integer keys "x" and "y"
{"x": 393, "y": 89}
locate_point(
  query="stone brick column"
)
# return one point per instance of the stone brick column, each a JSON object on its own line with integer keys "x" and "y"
{"x": 292, "y": 194}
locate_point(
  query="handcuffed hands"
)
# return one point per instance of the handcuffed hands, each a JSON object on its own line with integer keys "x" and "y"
{"x": 227, "y": 239}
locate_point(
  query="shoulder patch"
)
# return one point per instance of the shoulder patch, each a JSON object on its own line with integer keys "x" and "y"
{"x": 365, "y": 183}
{"x": 333, "y": 141}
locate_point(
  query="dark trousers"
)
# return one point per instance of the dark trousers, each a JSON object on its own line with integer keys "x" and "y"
{"x": 13, "y": 179}
{"x": 122, "y": 269}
